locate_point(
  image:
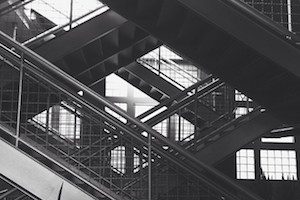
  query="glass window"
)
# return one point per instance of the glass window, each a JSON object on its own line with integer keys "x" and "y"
{"x": 240, "y": 111}
{"x": 162, "y": 127}
{"x": 117, "y": 159}
{"x": 279, "y": 164}
{"x": 116, "y": 86}
{"x": 186, "y": 129}
{"x": 289, "y": 139}
{"x": 65, "y": 124}
{"x": 141, "y": 108}
{"x": 123, "y": 106}
{"x": 245, "y": 168}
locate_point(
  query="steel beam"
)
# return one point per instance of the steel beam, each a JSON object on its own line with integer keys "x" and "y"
{"x": 81, "y": 35}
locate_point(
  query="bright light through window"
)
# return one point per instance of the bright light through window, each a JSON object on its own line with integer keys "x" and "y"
{"x": 59, "y": 11}
{"x": 279, "y": 164}
{"x": 123, "y": 106}
{"x": 245, "y": 164}
{"x": 118, "y": 160}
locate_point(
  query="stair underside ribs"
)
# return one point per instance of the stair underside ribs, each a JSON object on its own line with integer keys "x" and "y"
{"x": 113, "y": 43}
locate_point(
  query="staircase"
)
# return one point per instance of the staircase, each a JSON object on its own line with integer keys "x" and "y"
{"x": 250, "y": 47}
{"x": 158, "y": 88}
{"x": 93, "y": 116}
{"x": 103, "y": 44}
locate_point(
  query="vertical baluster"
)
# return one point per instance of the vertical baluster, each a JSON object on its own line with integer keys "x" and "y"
{"x": 159, "y": 58}
{"x": 195, "y": 112}
{"x": 149, "y": 166}
{"x": 48, "y": 118}
{"x": 19, "y": 99}
{"x": 71, "y": 13}
{"x": 289, "y": 13}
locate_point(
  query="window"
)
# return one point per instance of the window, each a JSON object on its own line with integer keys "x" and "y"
{"x": 162, "y": 127}
{"x": 169, "y": 66}
{"x": 116, "y": 86}
{"x": 279, "y": 164}
{"x": 245, "y": 164}
{"x": 61, "y": 121}
{"x": 140, "y": 109}
{"x": 241, "y": 97}
{"x": 139, "y": 94}
{"x": 240, "y": 111}
{"x": 288, "y": 139}
{"x": 118, "y": 160}
{"x": 186, "y": 130}
{"x": 123, "y": 106}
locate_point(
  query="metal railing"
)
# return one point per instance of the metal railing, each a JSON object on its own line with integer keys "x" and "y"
{"x": 168, "y": 69}
{"x": 267, "y": 13}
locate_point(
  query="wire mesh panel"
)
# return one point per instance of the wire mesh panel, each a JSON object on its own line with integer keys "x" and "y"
{"x": 63, "y": 129}
{"x": 284, "y": 12}
{"x": 277, "y": 10}
{"x": 9, "y": 84}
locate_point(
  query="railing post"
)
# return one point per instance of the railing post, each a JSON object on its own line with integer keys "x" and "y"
{"x": 19, "y": 99}
{"x": 289, "y": 12}
{"x": 71, "y": 13}
{"x": 149, "y": 166}
{"x": 48, "y": 117}
{"x": 159, "y": 57}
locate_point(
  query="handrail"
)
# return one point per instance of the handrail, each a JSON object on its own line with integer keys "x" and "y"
{"x": 183, "y": 103}
{"x": 264, "y": 19}
{"x": 174, "y": 64}
{"x": 213, "y": 132}
{"x": 13, "y": 7}
{"x": 175, "y": 98}
{"x": 173, "y": 82}
{"x": 56, "y": 29}
{"x": 171, "y": 65}
{"x": 48, "y": 66}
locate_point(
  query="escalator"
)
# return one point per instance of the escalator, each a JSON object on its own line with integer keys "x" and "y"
{"x": 10, "y": 190}
{"x": 231, "y": 40}
{"x": 218, "y": 184}
{"x": 31, "y": 175}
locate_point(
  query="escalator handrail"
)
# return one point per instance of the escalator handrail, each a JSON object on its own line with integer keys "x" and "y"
{"x": 8, "y": 130}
